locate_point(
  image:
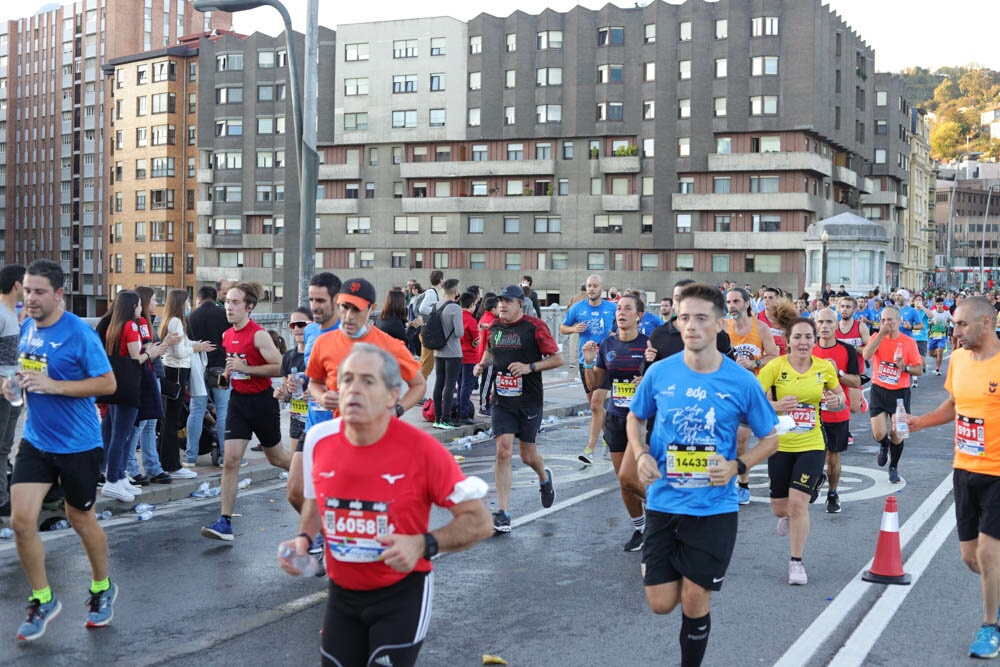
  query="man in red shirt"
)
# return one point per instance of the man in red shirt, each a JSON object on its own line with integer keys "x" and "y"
{"x": 251, "y": 361}
{"x": 470, "y": 356}
{"x": 370, "y": 481}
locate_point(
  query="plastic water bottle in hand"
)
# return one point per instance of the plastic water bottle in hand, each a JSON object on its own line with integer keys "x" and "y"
{"x": 306, "y": 564}
{"x": 898, "y": 358}
{"x": 899, "y": 420}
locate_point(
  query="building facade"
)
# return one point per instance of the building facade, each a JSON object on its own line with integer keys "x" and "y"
{"x": 918, "y": 233}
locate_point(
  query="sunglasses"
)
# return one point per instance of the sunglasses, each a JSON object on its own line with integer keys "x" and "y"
{"x": 297, "y": 325}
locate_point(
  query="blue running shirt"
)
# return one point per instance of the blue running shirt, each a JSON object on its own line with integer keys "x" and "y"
{"x": 600, "y": 320}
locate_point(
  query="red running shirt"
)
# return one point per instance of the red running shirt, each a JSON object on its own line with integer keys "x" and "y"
{"x": 240, "y": 344}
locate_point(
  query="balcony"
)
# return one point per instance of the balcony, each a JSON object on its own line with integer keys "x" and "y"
{"x": 866, "y": 185}
{"x": 476, "y": 168}
{"x": 476, "y": 204}
{"x": 776, "y": 161}
{"x": 210, "y": 274}
{"x": 619, "y": 165}
{"x": 203, "y": 207}
{"x": 205, "y": 176}
{"x": 845, "y": 176}
{"x": 620, "y": 202}
{"x": 884, "y": 198}
{"x": 326, "y": 206}
{"x": 775, "y": 201}
{"x": 204, "y": 240}
{"x": 339, "y": 172}
{"x": 748, "y": 240}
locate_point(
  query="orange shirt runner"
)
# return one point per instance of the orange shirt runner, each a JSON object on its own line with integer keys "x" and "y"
{"x": 973, "y": 387}
{"x": 885, "y": 372}
{"x": 749, "y": 346}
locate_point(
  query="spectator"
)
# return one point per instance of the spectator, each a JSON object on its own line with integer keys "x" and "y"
{"x": 489, "y": 316}
{"x": 428, "y": 301}
{"x": 531, "y": 307}
{"x": 470, "y": 357}
{"x": 144, "y": 436}
{"x": 208, "y": 322}
{"x": 448, "y": 360}
{"x": 11, "y": 282}
{"x": 392, "y": 319}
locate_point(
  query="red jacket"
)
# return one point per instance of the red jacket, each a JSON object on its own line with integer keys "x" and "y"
{"x": 470, "y": 339}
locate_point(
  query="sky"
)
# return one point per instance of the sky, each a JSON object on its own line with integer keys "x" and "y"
{"x": 904, "y": 33}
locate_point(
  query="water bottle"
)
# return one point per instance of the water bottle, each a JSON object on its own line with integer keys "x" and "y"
{"x": 283, "y": 475}
{"x": 61, "y": 524}
{"x": 307, "y": 564}
{"x": 214, "y": 492}
{"x": 244, "y": 483}
{"x": 899, "y": 420}
{"x": 142, "y": 508}
{"x": 6, "y": 534}
{"x": 201, "y": 491}
{"x": 297, "y": 391}
{"x": 145, "y": 516}
{"x": 104, "y": 516}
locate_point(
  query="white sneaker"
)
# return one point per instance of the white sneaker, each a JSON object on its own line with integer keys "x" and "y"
{"x": 117, "y": 491}
{"x": 183, "y": 473}
{"x": 797, "y": 573}
{"x": 130, "y": 487}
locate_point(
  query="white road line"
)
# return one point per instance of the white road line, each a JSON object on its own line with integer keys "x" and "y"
{"x": 593, "y": 493}
{"x": 871, "y": 627}
{"x": 802, "y": 651}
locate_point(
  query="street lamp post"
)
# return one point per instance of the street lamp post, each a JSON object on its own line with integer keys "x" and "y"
{"x": 824, "y": 239}
{"x": 951, "y": 213}
{"x": 305, "y": 132}
{"x": 982, "y": 245}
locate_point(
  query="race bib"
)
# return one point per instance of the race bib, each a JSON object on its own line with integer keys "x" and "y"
{"x": 889, "y": 372}
{"x": 937, "y": 335}
{"x": 509, "y": 386}
{"x": 300, "y": 407}
{"x": 804, "y": 416}
{"x": 687, "y": 465}
{"x": 970, "y": 435}
{"x": 622, "y": 393}
{"x": 33, "y": 364}
{"x": 352, "y": 527}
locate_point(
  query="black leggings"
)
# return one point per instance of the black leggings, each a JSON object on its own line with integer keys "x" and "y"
{"x": 362, "y": 626}
{"x": 446, "y": 374}
{"x": 169, "y": 445}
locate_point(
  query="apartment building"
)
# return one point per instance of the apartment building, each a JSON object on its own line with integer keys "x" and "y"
{"x": 975, "y": 230}
{"x": 55, "y": 128}
{"x": 918, "y": 233}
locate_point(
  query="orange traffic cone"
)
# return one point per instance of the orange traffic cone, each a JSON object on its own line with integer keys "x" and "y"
{"x": 887, "y": 567}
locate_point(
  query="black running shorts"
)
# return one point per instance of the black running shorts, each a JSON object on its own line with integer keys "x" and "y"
{"x": 694, "y": 547}
{"x": 795, "y": 470}
{"x": 614, "y": 432}
{"x": 78, "y": 473}
{"x": 977, "y": 504}
{"x": 882, "y": 400}
{"x": 836, "y": 435}
{"x": 524, "y": 423}
{"x": 254, "y": 414}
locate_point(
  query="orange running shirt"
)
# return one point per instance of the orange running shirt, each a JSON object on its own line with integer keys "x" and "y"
{"x": 747, "y": 347}
{"x": 973, "y": 386}
{"x": 885, "y": 372}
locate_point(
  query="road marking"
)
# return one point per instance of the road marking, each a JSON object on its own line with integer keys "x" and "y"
{"x": 802, "y": 651}
{"x": 858, "y": 484}
{"x": 593, "y": 493}
{"x": 857, "y": 647}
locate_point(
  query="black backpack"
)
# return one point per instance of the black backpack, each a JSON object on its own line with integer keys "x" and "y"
{"x": 432, "y": 334}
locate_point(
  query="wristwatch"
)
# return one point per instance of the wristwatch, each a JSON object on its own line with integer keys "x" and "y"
{"x": 430, "y": 546}
{"x": 532, "y": 366}
{"x": 399, "y": 410}
{"x": 741, "y": 467}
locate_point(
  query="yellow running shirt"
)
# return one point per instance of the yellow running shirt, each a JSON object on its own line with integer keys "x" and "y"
{"x": 808, "y": 387}
{"x": 973, "y": 386}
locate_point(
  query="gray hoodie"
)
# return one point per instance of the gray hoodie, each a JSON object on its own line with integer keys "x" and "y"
{"x": 453, "y": 328}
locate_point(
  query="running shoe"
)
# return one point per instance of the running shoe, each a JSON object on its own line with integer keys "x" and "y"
{"x": 850, "y": 439}
{"x": 819, "y": 485}
{"x": 937, "y": 371}
{"x": 915, "y": 383}
{"x": 220, "y": 530}
{"x": 883, "y": 455}
{"x": 140, "y": 480}
{"x": 833, "y": 502}
{"x": 183, "y": 473}
{"x": 117, "y": 491}
{"x": 130, "y": 487}
{"x": 987, "y": 644}
{"x": 39, "y": 616}
{"x": 797, "y": 573}
{"x": 101, "y": 611}
{"x": 783, "y": 524}
{"x": 162, "y": 478}
{"x": 893, "y": 475}
{"x": 546, "y": 490}
{"x": 635, "y": 542}
{"x": 501, "y": 522}
{"x": 587, "y": 456}
{"x": 743, "y": 495}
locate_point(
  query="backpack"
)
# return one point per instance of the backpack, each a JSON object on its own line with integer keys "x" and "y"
{"x": 432, "y": 334}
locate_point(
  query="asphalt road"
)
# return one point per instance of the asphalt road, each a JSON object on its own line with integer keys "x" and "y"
{"x": 558, "y": 590}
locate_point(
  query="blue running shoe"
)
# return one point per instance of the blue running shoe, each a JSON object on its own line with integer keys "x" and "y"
{"x": 101, "y": 611}
{"x": 743, "y": 495}
{"x": 220, "y": 530}
{"x": 987, "y": 644}
{"x": 39, "y": 616}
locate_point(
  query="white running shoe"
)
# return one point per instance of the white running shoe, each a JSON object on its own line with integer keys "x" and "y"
{"x": 130, "y": 487}
{"x": 797, "y": 573}
{"x": 183, "y": 473}
{"x": 117, "y": 491}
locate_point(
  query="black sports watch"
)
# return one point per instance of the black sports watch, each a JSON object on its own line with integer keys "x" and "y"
{"x": 399, "y": 410}
{"x": 430, "y": 546}
{"x": 740, "y": 466}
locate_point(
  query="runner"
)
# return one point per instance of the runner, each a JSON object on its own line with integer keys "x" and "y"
{"x": 910, "y": 323}
{"x": 772, "y": 297}
{"x": 616, "y": 364}
{"x": 836, "y": 423}
{"x": 938, "y": 327}
{"x": 251, "y": 361}
{"x": 798, "y": 383}
{"x": 292, "y": 376}
{"x": 593, "y": 319}
{"x": 375, "y": 512}
{"x": 699, "y": 398}
{"x": 754, "y": 345}
{"x": 976, "y": 413}
{"x": 62, "y": 367}
{"x": 854, "y": 332}
{"x": 519, "y": 348}
{"x": 894, "y": 358}
{"x": 921, "y": 333}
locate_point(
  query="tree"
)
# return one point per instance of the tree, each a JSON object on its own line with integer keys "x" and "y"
{"x": 947, "y": 139}
{"x": 946, "y": 92}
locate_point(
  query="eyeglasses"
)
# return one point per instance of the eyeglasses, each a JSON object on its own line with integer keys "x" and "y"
{"x": 297, "y": 325}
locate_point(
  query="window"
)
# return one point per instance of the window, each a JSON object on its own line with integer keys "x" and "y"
{"x": 265, "y": 59}
{"x": 399, "y": 259}
{"x": 437, "y": 117}
{"x": 515, "y": 151}
{"x": 567, "y": 150}
{"x": 142, "y": 75}
{"x": 765, "y": 144}
{"x": 548, "y": 76}
{"x": 356, "y": 225}
{"x": 161, "y": 231}
{"x": 683, "y": 67}
{"x": 512, "y": 261}
{"x": 351, "y": 191}
{"x": 140, "y": 263}
{"x": 721, "y": 185}
{"x": 720, "y": 107}
{"x": 404, "y": 83}
{"x": 563, "y": 187}
{"x": 721, "y": 68}
{"x": 162, "y": 166}
{"x": 647, "y": 186}
{"x": 549, "y": 39}
{"x": 764, "y": 66}
{"x": 685, "y": 261}
{"x": 438, "y": 81}
{"x": 442, "y": 189}
{"x": 229, "y": 95}
{"x": 475, "y": 80}
{"x": 510, "y": 78}
{"x": 543, "y": 152}
{"x": 724, "y": 145}
{"x": 407, "y": 118}
{"x": 880, "y": 156}
{"x": 607, "y": 224}
{"x": 474, "y": 117}
{"x": 649, "y": 33}
{"x": 548, "y": 113}
{"x": 515, "y": 188}
{"x": 649, "y": 71}
{"x": 763, "y": 25}
{"x": 683, "y": 146}
{"x": 548, "y": 225}
{"x": 722, "y": 223}
{"x": 405, "y": 224}
{"x": 649, "y": 261}
{"x": 648, "y": 147}
{"x": 720, "y": 263}
{"x": 508, "y": 115}
{"x": 357, "y": 86}
{"x": 610, "y": 73}
{"x": 595, "y": 261}
{"x": 610, "y": 111}
{"x": 161, "y": 199}
{"x": 265, "y": 126}
{"x": 439, "y": 46}
{"x": 369, "y": 190}
{"x": 683, "y": 223}
{"x": 721, "y": 28}
{"x": 355, "y": 121}
{"x": 353, "y": 52}
{"x": 165, "y": 103}
{"x": 229, "y": 128}
{"x": 881, "y": 98}
{"x": 140, "y": 231}
{"x": 684, "y": 108}
{"x": 620, "y": 186}
{"x": 140, "y": 169}
{"x": 479, "y": 153}
{"x": 511, "y": 42}
{"x": 442, "y": 153}
{"x": 229, "y": 62}
{"x": 404, "y": 48}
{"x": 766, "y": 223}
{"x": 141, "y": 105}
{"x": 265, "y": 93}
{"x": 162, "y": 135}
{"x": 476, "y": 44}
{"x": 476, "y": 225}
{"x": 763, "y": 105}
{"x": 613, "y": 36}
{"x": 511, "y": 225}
{"x": 881, "y": 127}
{"x": 684, "y": 31}
{"x": 765, "y": 184}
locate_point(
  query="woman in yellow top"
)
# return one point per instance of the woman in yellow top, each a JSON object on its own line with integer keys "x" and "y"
{"x": 797, "y": 384}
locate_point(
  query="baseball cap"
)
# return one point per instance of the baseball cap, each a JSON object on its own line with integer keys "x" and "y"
{"x": 511, "y": 292}
{"x": 358, "y": 292}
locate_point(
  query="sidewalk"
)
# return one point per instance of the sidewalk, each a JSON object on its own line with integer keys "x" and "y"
{"x": 564, "y": 397}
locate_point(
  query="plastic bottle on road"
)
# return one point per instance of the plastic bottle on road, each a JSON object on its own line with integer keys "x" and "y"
{"x": 61, "y": 524}
{"x": 144, "y": 507}
{"x": 146, "y": 516}
{"x": 307, "y": 564}
{"x": 244, "y": 483}
{"x": 6, "y": 534}
{"x": 105, "y": 515}
{"x": 283, "y": 474}
{"x": 214, "y": 492}
{"x": 201, "y": 491}
{"x": 899, "y": 420}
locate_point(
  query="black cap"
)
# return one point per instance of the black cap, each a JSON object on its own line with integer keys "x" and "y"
{"x": 511, "y": 292}
{"x": 358, "y": 292}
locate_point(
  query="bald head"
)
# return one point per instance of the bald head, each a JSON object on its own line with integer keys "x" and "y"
{"x": 975, "y": 307}
{"x": 594, "y": 286}
{"x": 826, "y": 324}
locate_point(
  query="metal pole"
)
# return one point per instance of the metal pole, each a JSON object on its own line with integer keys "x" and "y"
{"x": 982, "y": 246}
{"x": 309, "y": 159}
